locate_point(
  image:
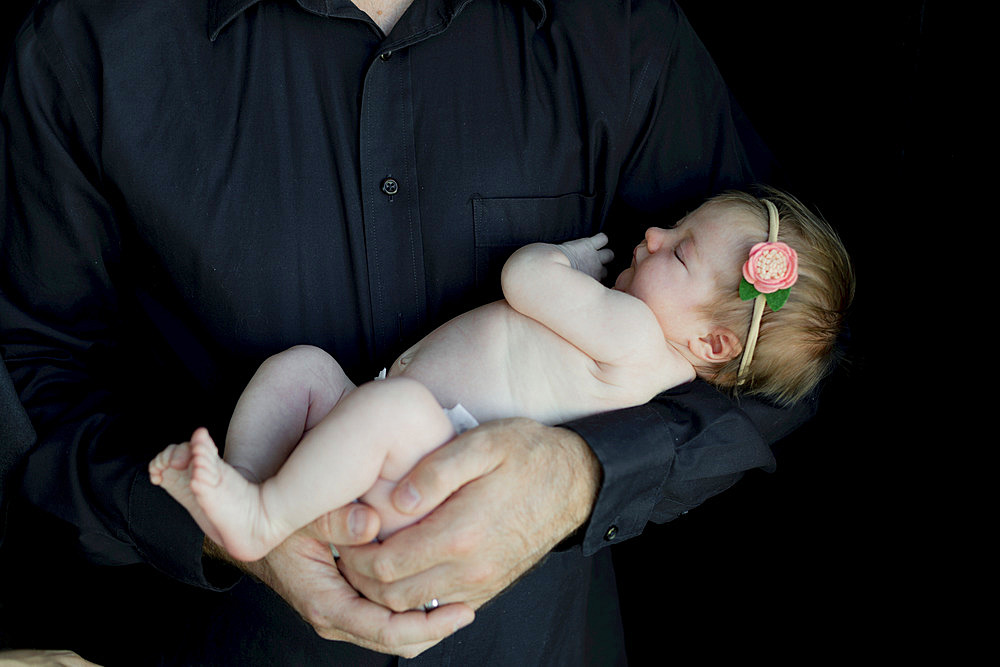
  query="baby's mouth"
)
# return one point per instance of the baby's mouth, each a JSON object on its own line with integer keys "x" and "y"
{"x": 635, "y": 252}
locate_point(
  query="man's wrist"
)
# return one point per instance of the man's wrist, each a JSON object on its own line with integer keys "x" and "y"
{"x": 586, "y": 485}
{"x": 631, "y": 475}
{"x": 587, "y": 476}
{"x": 216, "y": 560}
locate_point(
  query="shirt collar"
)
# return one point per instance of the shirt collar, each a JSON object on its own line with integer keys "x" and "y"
{"x": 221, "y": 12}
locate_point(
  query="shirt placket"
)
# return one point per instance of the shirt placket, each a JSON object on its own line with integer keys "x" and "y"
{"x": 390, "y": 197}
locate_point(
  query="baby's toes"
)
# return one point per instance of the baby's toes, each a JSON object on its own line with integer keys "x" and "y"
{"x": 206, "y": 468}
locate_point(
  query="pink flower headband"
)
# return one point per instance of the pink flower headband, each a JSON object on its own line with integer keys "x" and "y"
{"x": 768, "y": 276}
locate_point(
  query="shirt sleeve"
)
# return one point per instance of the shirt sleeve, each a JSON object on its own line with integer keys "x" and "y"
{"x": 664, "y": 458}
{"x": 61, "y": 328}
{"x": 691, "y": 141}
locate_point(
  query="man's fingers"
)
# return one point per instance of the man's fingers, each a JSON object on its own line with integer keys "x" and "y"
{"x": 435, "y": 539}
{"x": 444, "y": 471}
{"x": 352, "y": 524}
{"x": 302, "y": 571}
{"x": 405, "y": 634}
{"x": 540, "y": 486}
{"x": 411, "y": 593}
{"x": 440, "y": 557}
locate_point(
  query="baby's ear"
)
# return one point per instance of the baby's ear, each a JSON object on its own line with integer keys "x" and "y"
{"x": 719, "y": 345}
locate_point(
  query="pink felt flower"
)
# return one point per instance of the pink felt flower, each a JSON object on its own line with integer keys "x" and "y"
{"x": 771, "y": 267}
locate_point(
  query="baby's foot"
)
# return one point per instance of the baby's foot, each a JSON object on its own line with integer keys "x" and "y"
{"x": 231, "y": 504}
{"x": 171, "y": 469}
{"x": 171, "y": 464}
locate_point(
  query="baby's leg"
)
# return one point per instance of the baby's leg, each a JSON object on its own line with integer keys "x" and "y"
{"x": 381, "y": 427}
{"x": 373, "y": 437}
{"x": 290, "y": 393}
{"x": 230, "y": 506}
{"x": 412, "y": 433}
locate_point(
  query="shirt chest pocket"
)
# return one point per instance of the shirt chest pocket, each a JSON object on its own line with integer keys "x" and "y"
{"x": 504, "y": 224}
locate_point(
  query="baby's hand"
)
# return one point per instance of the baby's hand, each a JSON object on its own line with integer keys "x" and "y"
{"x": 589, "y": 255}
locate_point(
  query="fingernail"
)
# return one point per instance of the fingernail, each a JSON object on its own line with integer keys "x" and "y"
{"x": 357, "y": 521}
{"x": 406, "y": 497}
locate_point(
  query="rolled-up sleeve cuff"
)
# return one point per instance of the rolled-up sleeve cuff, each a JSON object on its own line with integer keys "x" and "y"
{"x": 153, "y": 514}
{"x": 632, "y": 478}
{"x": 665, "y": 457}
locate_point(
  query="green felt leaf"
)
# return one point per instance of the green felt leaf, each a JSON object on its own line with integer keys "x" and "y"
{"x": 747, "y": 291}
{"x": 777, "y": 299}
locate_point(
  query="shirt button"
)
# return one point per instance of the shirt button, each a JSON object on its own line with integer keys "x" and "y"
{"x": 390, "y": 186}
{"x": 611, "y": 533}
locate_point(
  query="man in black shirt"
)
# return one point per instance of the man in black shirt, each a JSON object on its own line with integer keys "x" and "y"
{"x": 192, "y": 185}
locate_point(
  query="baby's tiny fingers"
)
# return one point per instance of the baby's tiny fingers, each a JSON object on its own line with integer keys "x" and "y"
{"x": 598, "y": 240}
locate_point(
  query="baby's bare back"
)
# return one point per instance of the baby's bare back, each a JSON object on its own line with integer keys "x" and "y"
{"x": 499, "y": 363}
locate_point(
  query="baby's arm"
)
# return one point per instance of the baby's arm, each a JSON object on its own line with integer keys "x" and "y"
{"x": 539, "y": 281}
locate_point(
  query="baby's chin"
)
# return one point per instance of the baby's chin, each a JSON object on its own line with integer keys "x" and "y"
{"x": 623, "y": 280}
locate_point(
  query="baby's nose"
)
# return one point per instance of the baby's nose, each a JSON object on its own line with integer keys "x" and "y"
{"x": 654, "y": 238}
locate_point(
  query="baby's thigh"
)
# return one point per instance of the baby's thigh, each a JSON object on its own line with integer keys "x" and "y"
{"x": 422, "y": 427}
{"x": 303, "y": 376}
{"x": 416, "y": 425}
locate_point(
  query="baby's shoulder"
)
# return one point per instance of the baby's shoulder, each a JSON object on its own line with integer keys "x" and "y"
{"x": 647, "y": 371}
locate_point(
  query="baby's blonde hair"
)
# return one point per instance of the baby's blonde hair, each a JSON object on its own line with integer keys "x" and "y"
{"x": 797, "y": 346}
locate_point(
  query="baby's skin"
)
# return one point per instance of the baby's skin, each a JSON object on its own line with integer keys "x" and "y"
{"x": 558, "y": 347}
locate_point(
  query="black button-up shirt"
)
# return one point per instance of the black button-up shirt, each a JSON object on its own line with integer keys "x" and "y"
{"x": 192, "y": 185}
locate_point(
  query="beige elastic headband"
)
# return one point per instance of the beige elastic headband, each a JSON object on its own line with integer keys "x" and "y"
{"x": 759, "y": 300}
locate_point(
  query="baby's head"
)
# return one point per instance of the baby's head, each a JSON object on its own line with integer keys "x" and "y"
{"x": 690, "y": 277}
{"x": 797, "y": 343}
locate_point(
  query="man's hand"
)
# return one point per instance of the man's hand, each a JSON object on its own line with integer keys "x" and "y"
{"x": 509, "y": 491}
{"x": 303, "y": 572}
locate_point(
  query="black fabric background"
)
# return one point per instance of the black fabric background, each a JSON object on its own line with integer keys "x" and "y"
{"x": 835, "y": 553}
{"x": 856, "y": 101}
